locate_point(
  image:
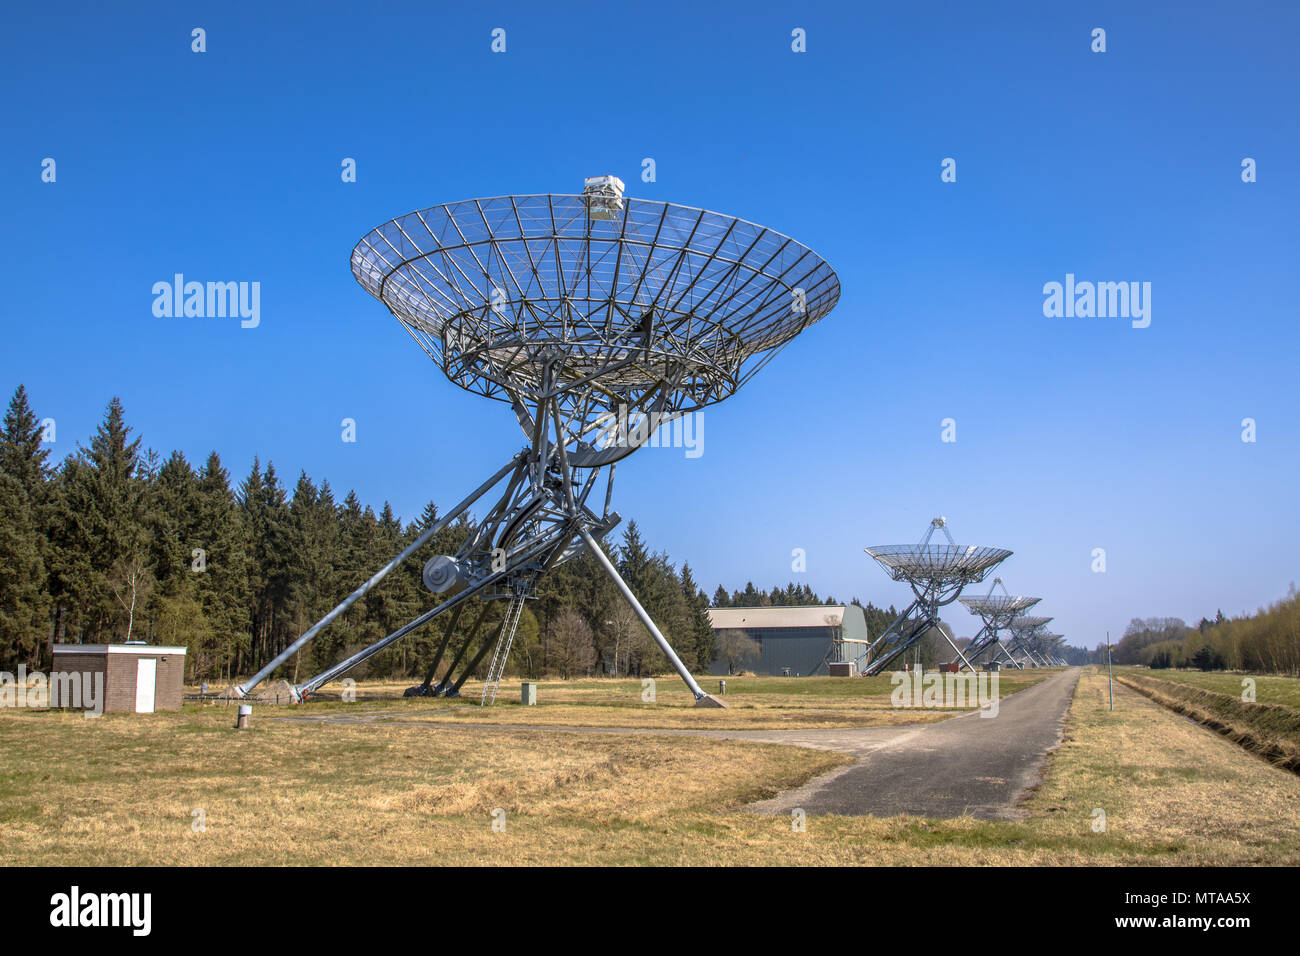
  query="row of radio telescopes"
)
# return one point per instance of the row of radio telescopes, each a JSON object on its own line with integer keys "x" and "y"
{"x": 937, "y": 574}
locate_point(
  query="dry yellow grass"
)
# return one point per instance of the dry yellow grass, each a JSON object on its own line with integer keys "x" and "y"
{"x": 753, "y": 703}
{"x": 1172, "y": 792}
{"x": 121, "y": 790}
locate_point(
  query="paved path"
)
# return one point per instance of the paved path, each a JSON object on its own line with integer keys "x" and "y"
{"x": 968, "y": 764}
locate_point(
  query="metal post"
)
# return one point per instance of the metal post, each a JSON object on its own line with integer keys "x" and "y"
{"x": 646, "y": 620}
{"x": 1110, "y": 673}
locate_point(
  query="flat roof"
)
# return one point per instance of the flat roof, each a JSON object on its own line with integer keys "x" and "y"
{"x": 806, "y": 615}
{"x": 116, "y": 649}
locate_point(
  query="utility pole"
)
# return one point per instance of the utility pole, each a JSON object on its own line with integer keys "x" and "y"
{"x": 1110, "y": 673}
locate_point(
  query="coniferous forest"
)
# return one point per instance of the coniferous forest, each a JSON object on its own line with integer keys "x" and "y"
{"x": 116, "y": 543}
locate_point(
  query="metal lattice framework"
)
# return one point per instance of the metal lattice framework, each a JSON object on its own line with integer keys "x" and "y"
{"x": 937, "y": 573}
{"x": 996, "y": 611}
{"x": 1023, "y": 628}
{"x": 598, "y": 319}
{"x": 1046, "y": 646}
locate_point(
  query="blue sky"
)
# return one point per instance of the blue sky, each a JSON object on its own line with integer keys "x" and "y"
{"x": 1072, "y": 434}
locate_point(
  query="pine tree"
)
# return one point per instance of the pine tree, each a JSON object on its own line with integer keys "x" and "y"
{"x": 703, "y": 640}
{"x": 102, "y": 538}
{"x": 632, "y": 561}
{"x": 653, "y": 581}
{"x": 25, "y": 603}
{"x": 427, "y": 517}
{"x": 173, "y": 517}
{"x": 315, "y": 540}
{"x": 396, "y": 600}
{"x": 633, "y": 558}
{"x": 220, "y": 573}
{"x": 21, "y": 454}
{"x": 359, "y": 558}
{"x": 270, "y": 530}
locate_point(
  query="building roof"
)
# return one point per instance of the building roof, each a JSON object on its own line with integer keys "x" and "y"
{"x": 758, "y": 618}
{"x": 116, "y": 649}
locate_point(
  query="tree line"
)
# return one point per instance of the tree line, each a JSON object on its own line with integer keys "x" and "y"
{"x": 1267, "y": 641}
{"x": 116, "y": 543}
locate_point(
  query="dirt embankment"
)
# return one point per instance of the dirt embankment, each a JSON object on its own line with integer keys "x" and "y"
{"x": 1270, "y": 730}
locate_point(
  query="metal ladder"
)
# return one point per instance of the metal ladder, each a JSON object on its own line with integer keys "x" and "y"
{"x": 502, "y": 652}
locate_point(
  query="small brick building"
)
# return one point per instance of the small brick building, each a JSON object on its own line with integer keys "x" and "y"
{"x": 138, "y": 678}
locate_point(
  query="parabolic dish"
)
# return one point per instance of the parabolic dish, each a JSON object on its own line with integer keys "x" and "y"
{"x": 496, "y": 290}
{"x": 1028, "y": 623}
{"x": 998, "y": 605}
{"x": 905, "y": 562}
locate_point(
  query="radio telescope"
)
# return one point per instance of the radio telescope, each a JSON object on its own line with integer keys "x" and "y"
{"x": 937, "y": 573}
{"x": 1023, "y": 628}
{"x": 596, "y": 318}
{"x": 997, "y": 612}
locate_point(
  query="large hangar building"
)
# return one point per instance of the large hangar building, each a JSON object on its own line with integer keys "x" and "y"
{"x": 797, "y": 641}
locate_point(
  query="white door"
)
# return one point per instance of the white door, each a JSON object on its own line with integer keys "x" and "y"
{"x": 146, "y": 676}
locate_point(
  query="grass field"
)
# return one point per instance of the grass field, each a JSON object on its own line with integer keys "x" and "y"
{"x": 123, "y": 789}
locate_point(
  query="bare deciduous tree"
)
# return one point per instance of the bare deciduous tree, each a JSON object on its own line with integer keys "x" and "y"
{"x": 623, "y": 626}
{"x": 572, "y": 648}
{"x": 738, "y": 649}
{"x": 131, "y": 581}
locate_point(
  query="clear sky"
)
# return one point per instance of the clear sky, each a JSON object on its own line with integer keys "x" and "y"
{"x": 1071, "y": 433}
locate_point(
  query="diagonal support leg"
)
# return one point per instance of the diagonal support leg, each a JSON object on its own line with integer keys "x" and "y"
{"x": 914, "y": 634}
{"x": 444, "y": 686}
{"x": 701, "y": 698}
{"x": 378, "y": 576}
{"x": 454, "y": 690}
{"x": 985, "y": 639}
{"x": 909, "y": 629}
{"x": 425, "y": 687}
{"x": 957, "y": 651}
{"x": 341, "y": 668}
{"x": 1010, "y": 657}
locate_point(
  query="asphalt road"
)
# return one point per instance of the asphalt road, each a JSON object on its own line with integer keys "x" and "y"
{"x": 984, "y": 766}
